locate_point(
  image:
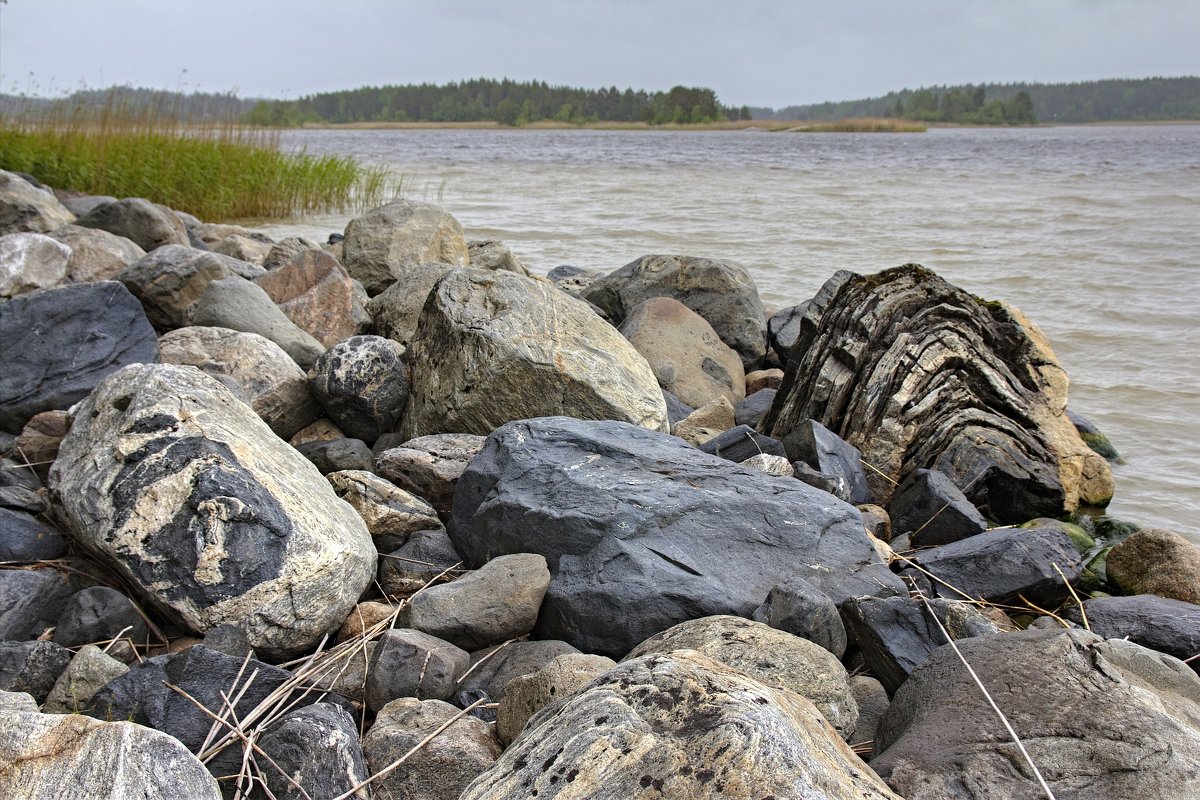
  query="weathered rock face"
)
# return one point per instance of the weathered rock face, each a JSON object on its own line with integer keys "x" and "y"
{"x": 917, "y": 373}
{"x": 381, "y": 242}
{"x": 30, "y": 261}
{"x": 72, "y": 757}
{"x": 173, "y": 482}
{"x": 146, "y": 224}
{"x": 318, "y": 295}
{"x": 1099, "y": 718}
{"x": 687, "y": 357}
{"x": 526, "y": 694}
{"x": 408, "y": 663}
{"x": 363, "y": 384}
{"x": 96, "y": 255}
{"x": 642, "y": 532}
{"x": 430, "y": 466}
{"x": 243, "y": 306}
{"x": 391, "y": 514}
{"x": 30, "y": 602}
{"x": 253, "y": 367}
{"x": 680, "y": 726}
{"x": 494, "y": 347}
{"x": 932, "y": 510}
{"x": 1159, "y": 623}
{"x": 23, "y": 207}
{"x": 90, "y": 669}
{"x": 59, "y": 343}
{"x": 169, "y": 281}
{"x": 396, "y": 311}
{"x": 23, "y": 537}
{"x": 97, "y": 614}
{"x": 1156, "y": 561}
{"x": 492, "y": 255}
{"x": 318, "y": 748}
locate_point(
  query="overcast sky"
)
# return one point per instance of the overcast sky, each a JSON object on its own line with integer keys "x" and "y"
{"x": 752, "y": 52}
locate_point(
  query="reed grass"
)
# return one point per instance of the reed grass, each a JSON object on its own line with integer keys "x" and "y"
{"x": 215, "y": 169}
{"x": 861, "y": 125}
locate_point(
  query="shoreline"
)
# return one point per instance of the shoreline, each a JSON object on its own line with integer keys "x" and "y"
{"x": 765, "y": 126}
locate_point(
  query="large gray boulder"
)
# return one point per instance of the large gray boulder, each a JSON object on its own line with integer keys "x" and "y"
{"x": 96, "y": 255}
{"x": 169, "y": 281}
{"x": 396, "y": 311}
{"x": 1100, "y": 718}
{"x": 720, "y": 291}
{"x": 380, "y": 243}
{"x": 24, "y": 207}
{"x": 915, "y": 372}
{"x": 31, "y": 261}
{"x": 494, "y": 347}
{"x": 31, "y": 602}
{"x": 181, "y": 488}
{"x": 642, "y": 531}
{"x": 148, "y": 225}
{"x": 242, "y": 305}
{"x": 678, "y": 726}
{"x": 60, "y": 343}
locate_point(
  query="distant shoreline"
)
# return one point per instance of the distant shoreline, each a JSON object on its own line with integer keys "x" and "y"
{"x": 764, "y": 125}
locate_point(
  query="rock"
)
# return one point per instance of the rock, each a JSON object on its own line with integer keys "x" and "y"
{"x": 146, "y": 224}
{"x": 1100, "y": 718}
{"x": 323, "y": 430}
{"x": 1093, "y": 437}
{"x": 242, "y": 305}
{"x": 896, "y": 634}
{"x": 498, "y": 601}
{"x": 90, "y": 669}
{"x": 243, "y": 248}
{"x": 773, "y": 657}
{"x": 761, "y": 379}
{"x": 30, "y": 602}
{"x": 23, "y": 537}
{"x": 363, "y": 385}
{"x": 347, "y": 675}
{"x": 917, "y": 373}
{"x": 318, "y": 754}
{"x": 797, "y": 607}
{"x": 720, "y": 291}
{"x": 741, "y": 442}
{"x": 750, "y": 411}
{"x": 364, "y": 616}
{"x": 39, "y": 440}
{"x": 289, "y": 250}
{"x": 96, "y": 255}
{"x": 877, "y": 521}
{"x": 72, "y": 757}
{"x": 1156, "y": 561}
{"x": 337, "y": 455}
{"x": 677, "y": 410}
{"x": 24, "y": 207}
{"x": 1159, "y": 623}
{"x": 686, "y": 355}
{"x": 17, "y": 701}
{"x": 383, "y": 241}
{"x": 783, "y": 330}
{"x": 84, "y": 203}
{"x": 390, "y": 513}
{"x": 573, "y": 280}
{"x": 316, "y": 293}
{"x": 408, "y": 663}
{"x": 31, "y": 261}
{"x": 18, "y": 498}
{"x": 170, "y": 480}
{"x": 97, "y": 615}
{"x": 1001, "y": 565}
{"x": 872, "y": 701}
{"x": 256, "y": 369}
{"x": 31, "y": 667}
{"x": 558, "y": 680}
{"x": 171, "y": 280}
{"x": 828, "y": 453}
{"x": 493, "y": 347}
{"x": 60, "y": 343}
{"x": 230, "y": 640}
{"x": 678, "y": 725}
{"x": 932, "y": 510}
{"x": 686, "y": 535}
{"x": 494, "y": 668}
{"x": 427, "y": 556}
{"x": 705, "y": 423}
{"x": 492, "y": 256}
{"x": 442, "y": 767}
{"x": 396, "y": 311}
{"x": 778, "y": 466}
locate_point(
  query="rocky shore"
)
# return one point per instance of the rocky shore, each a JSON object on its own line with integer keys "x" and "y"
{"x": 393, "y": 517}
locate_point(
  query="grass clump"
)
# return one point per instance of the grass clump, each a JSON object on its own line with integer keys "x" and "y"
{"x": 216, "y": 169}
{"x": 862, "y": 125}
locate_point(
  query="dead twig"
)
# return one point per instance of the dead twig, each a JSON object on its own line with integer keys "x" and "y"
{"x": 1078, "y": 602}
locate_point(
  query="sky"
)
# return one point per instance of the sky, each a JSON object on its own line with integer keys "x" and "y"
{"x": 751, "y": 52}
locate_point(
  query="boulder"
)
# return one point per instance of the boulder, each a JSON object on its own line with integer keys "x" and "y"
{"x": 146, "y": 224}
{"x": 1156, "y": 561}
{"x": 872, "y": 701}
{"x": 797, "y": 607}
{"x": 317, "y": 751}
{"x": 783, "y": 330}
{"x": 750, "y": 411}
{"x": 390, "y": 513}
{"x": 761, "y": 379}
{"x": 380, "y": 243}
{"x": 720, "y": 291}
{"x": 426, "y": 557}
{"x": 72, "y": 757}
{"x": 1159, "y": 623}
{"x": 242, "y": 247}
{"x": 30, "y": 602}
{"x": 1093, "y": 437}
{"x": 90, "y": 669}
{"x": 82, "y": 204}
{"x": 24, "y": 537}
{"x": 492, "y": 255}
{"x": 316, "y": 293}
{"x": 96, "y": 255}
{"x": 181, "y": 488}
{"x": 38, "y": 443}
{"x": 494, "y": 668}
{"x": 778, "y": 466}
{"x": 337, "y": 455}
{"x": 641, "y": 531}
{"x": 742, "y": 442}
{"x": 24, "y": 207}
{"x": 573, "y": 280}
{"x": 678, "y": 726}
{"x": 1100, "y": 719}
{"x": 287, "y": 251}
{"x": 242, "y": 305}
{"x": 99, "y": 614}
{"x": 408, "y": 663}
{"x": 32, "y": 667}
{"x": 932, "y": 510}
{"x": 60, "y": 343}
{"x": 171, "y": 280}
{"x": 687, "y": 357}
{"x": 253, "y": 367}
{"x": 558, "y": 680}
{"x": 493, "y": 347}
{"x": 498, "y": 601}
{"x": 917, "y": 373}
{"x": 396, "y": 311}
{"x": 31, "y": 261}
{"x": 363, "y": 385}
{"x": 829, "y": 454}
{"x": 705, "y": 423}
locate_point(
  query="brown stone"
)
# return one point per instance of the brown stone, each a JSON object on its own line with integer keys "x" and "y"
{"x": 1156, "y": 561}
{"x": 318, "y": 295}
{"x": 763, "y": 379}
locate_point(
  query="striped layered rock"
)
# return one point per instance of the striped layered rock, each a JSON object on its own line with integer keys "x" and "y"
{"x": 917, "y": 373}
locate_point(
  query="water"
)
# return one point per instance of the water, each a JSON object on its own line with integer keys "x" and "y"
{"x": 1094, "y": 232}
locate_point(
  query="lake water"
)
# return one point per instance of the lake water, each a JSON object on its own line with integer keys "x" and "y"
{"x": 1094, "y": 232}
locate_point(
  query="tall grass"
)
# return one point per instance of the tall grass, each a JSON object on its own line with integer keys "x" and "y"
{"x": 217, "y": 170}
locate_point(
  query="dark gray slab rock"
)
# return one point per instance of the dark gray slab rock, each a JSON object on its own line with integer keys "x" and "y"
{"x": 642, "y": 531}
{"x": 1100, "y": 719}
{"x": 181, "y": 488}
{"x": 917, "y": 373}
{"x": 834, "y": 484}
{"x": 60, "y": 343}
{"x": 383, "y": 241}
{"x": 677, "y": 410}
{"x": 24, "y": 537}
{"x": 317, "y": 747}
{"x": 424, "y": 557}
{"x": 242, "y": 305}
{"x": 1159, "y": 623}
{"x": 336, "y": 455}
{"x": 493, "y": 668}
{"x": 932, "y": 510}
{"x": 146, "y": 224}
{"x": 98, "y": 614}
{"x": 430, "y": 466}
{"x": 1001, "y": 565}
{"x": 751, "y": 410}
{"x": 391, "y": 514}
{"x": 230, "y": 640}
{"x": 408, "y": 663}
{"x": 32, "y": 667}
{"x": 30, "y": 602}
{"x": 783, "y": 330}
{"x": 24, "y": 207}
{"x": 828, "y": 453}
{"x": 741, "y": 442}
{"x": 169, "y": 281}
{"x": 720, "y": 291}
{"x": 797, "y": 607}
{"x": 363, "y": 385}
